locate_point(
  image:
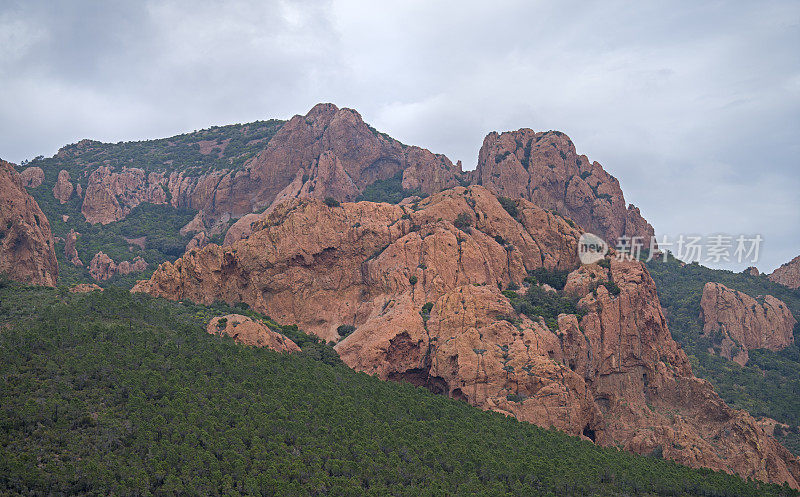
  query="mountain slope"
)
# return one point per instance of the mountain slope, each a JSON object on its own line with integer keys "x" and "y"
{"x": 108, "y": 393}
{"x": 420, "y": 286}
{"x": 769, "y": 384}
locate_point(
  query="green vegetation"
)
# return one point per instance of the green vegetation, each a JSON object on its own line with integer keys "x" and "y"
{"x": 769, "y": 385}
{"x": 509, "y": 205}
{"x": 388, "y": 190}
{"x": 225, "y": 147}
{"x": 219, "y": 147}
{"x": 331, "y": 202}
{"x": 556, "y": 278}
{"x": 545, "y": 303}
{"x": 345, "y": 329}
{"x": 159, "y": 223}
{"x": 118, "y": 394}
{"x": 462, "y": 221}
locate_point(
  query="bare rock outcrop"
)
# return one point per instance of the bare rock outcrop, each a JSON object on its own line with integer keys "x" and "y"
{"x": 32, "y": 177}
{"x": 127, "y": 267}
{"x": 70, "y": 250}
{"x": 737, "y": 322}
{"x": 247, "y": 331}
{"x": 102, "y": 267}
{"x": 27, "y": 249}
{"x": 110, "y": 195}
{"x": 421, "y": 284}
{"x": 63, "y": 187}
{"x": 544, "y": 168}
{"x": 788, "y": 274}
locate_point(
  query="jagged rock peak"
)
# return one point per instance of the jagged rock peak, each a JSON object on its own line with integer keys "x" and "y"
{"x": 545, "y": 168}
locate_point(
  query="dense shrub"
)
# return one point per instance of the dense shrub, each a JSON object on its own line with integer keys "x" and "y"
{"x": 112, "y": 393}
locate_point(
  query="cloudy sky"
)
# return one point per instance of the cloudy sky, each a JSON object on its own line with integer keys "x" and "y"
{"x": 694, "y": 106}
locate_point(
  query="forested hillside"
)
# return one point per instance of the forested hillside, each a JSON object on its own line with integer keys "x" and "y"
{"x": 769, "y": 385}
{"x": 109, "y": 393}
{"x": 218, "y": 147}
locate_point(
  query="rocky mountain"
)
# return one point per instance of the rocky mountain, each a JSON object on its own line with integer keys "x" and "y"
{"x": 737, "y": 322}
{"x": 545, "y": 168}
{"x": 788, "y": 274}
{"x": 449, "y": 293}
{"x": 231, "y": 173}
{"x": 27, "y": 250}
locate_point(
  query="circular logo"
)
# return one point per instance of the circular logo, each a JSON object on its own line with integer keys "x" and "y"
{"x": 591, "y": 248}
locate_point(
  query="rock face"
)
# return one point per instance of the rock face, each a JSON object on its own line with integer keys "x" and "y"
{"x": 788, "y": 274}
{"x": 63, "y": 188}
{"x": 737, "y": 322}
{"x": 247, "y": 331}
{"x": 421, "y": 283}
{"x": 327, "y": 152}
{"x": 27, "y": 251}
{"x": 32, "y": 177}
{"x": 544, "y": 168}
{"x": 110, "y": 195}
{"x": 70, "y": 251}
{"x": 103, "y": 267}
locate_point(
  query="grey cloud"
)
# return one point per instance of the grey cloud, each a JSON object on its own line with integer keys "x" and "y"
{"x": 694, "y": 106}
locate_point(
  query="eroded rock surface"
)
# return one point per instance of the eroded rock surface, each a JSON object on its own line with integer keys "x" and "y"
{"x": 736, "y": 322}
{"x": 27, "y": 250}
{"x": 247, "y": 331}
{"x": 32, "y": 177}
{"x": 421, "y": 284}
{"x": 63, "y": 187}
{"x": 545, "y": 168}
{"x": 788, "y": 274}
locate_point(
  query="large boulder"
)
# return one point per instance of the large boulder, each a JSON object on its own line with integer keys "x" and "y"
{"x": 247, "y": 331}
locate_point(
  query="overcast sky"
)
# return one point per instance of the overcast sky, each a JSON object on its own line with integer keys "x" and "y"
{"x": 694, "y": 106}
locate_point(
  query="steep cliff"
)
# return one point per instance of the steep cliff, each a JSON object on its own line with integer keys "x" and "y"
{"x": 737, "y": 322}
{"x": 27, "y": 251}
{"x": 788, "y": 274}
{"x": 413, "y": 292}
{"x": 545, "y": 168}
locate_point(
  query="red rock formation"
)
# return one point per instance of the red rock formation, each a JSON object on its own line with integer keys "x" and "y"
{"x": 421, "y": 284}
{"x": 752, "y": 271}
{"x": 544, "y": 168}
{"x": 788, "y": 274}
{"x": 327, "y": 152}
{"x": 737, "y": 322}
{"x": 126, "y": 267}
{"x": 27, "y": 251}
{"x": 85, "y": 288}
{"x": 102, "y": 267}
{"x": 246, "y": 331}
{"x": 63, "y": 188}
{"x": 111, "y": 195}
{"x": 70, "y": 252}
{"x": 32, "y": 177}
